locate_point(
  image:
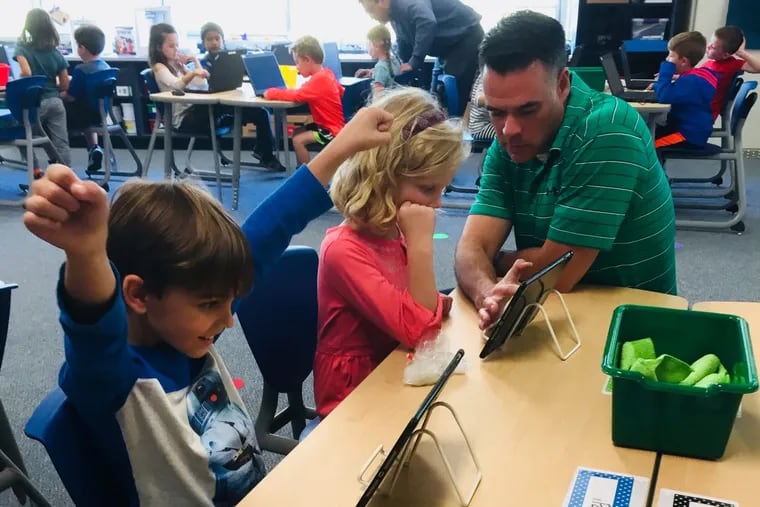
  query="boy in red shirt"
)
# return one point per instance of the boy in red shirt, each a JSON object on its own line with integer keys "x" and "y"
{"x": 726, "y": 45}
{"x": 322, "y": 92}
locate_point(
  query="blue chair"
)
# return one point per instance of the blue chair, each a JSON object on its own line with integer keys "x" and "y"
{"x": 100, "y": 89}
{"x": 279, "y": 320}
{"x": 151, "y": 86}
{"x": 22, "y": 97}
{"x": 356, "y": 89}
{"x": 81, "y": 467}
{"x": 722, "y": 132}
{"x": 733, "y": 198}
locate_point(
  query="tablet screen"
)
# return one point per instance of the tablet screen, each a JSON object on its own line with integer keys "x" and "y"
{"x": 533, "y": 290}
{"x": 398, "y": 447}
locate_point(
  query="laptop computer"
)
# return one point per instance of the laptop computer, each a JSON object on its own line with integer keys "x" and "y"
{"x": 263, "y": 71}
{"x": 225, "y": 69}
{"x": 616, "y": 87}
{"x": 632, "y": 83}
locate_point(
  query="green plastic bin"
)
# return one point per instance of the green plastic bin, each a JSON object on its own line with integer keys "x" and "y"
{"x": 592, "y": 76}
{"x": 670, "y": 418}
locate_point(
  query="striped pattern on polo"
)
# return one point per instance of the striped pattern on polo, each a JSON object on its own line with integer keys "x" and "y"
{"x": 600, "y": 187}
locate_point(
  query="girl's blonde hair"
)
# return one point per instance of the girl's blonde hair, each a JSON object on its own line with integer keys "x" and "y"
{"x": 423, "y": 143}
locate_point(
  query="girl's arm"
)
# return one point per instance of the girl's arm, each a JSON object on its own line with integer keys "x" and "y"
{"x": 63, "y": 80}
{"x": 23, "y": 63}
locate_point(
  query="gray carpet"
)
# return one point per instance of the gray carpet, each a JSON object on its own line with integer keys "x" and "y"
{"x": 711, "y": 266}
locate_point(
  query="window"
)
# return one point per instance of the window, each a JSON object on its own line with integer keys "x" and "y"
{"x": 12, "y": 18}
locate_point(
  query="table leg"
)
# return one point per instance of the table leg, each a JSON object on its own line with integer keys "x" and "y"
{"x": 237, "y": 128}
{"x": 286, "y": 148}
{"x": 168, "y": 153}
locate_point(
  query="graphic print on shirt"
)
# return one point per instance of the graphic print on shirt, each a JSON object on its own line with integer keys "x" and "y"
{"x": 227, "y": 434}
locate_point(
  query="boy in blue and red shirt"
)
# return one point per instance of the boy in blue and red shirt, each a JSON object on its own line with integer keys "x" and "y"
{"x": 690, "y": 120}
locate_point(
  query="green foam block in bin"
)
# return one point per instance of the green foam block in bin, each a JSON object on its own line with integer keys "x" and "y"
{"x": 671, "y": 418}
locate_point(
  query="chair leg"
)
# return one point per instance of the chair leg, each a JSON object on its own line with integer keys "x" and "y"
{"x": 297, "y": 413}
{"x": 265, "y": 422}
{"x": 11, "y": 476}
{"x": 215, "y": 152}
{"x": 149, "y": 155}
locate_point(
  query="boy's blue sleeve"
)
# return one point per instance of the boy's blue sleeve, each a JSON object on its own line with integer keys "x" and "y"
{"x": 99, "y": 371}
{"x": 287, "y": 211}
{"x": 673, "y": 92}
{"x": 76, "y": 85}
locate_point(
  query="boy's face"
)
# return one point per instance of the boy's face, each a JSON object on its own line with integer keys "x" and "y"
{"x": 715, "y": 49}
{"x": 82, "y": 52}
{"x": 213, "y": 41}
{"x": 681, "y": 62}
{"x": 188, "y": 321}
{"x": 304, "y": 65}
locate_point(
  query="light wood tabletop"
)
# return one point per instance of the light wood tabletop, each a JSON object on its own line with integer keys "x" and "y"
{"x": 735, "y": 475}
{"x": 187, "y": 98}
{"x": 532, "y": 418}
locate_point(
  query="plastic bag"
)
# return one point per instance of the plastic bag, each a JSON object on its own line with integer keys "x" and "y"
{"x": 428, "y": 362}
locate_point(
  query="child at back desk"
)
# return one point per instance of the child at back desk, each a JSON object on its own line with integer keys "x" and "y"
{"x": 90, "y": 41}
{"x": 322, "y": 92}
{"x": 726, "y": 45}
{"x": 141, "y": 302}
{"x": 386, "y": 68}
{"x": 690, "y": 118}
{"x": 37, "y": 54}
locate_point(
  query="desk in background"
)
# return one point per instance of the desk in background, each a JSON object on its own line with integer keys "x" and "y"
{"x": 531, "y": 418}
{"x": 239, "y": 98}
{"x": 735, "y": 476}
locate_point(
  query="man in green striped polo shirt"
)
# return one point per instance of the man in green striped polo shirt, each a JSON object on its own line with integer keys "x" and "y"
{"x": 570, "y": 169}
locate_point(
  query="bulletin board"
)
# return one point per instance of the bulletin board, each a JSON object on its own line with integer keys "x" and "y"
{"x": 746, "y": 15}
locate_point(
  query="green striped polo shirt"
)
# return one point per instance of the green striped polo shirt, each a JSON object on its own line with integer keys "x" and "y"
{"x": 600, "y": 187}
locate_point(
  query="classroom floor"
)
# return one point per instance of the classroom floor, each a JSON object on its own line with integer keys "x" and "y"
{"x": 711, "y": 266}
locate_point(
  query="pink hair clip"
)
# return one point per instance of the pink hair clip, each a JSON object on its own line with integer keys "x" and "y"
{"x": 425, "y": 120}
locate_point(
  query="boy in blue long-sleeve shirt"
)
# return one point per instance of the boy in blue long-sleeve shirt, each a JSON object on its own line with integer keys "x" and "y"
{"x": 146, "y": 288}
{"x": 690, "y": 94}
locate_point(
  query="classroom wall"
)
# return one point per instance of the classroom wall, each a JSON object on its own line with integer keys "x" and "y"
{"x": 709, "y": 15}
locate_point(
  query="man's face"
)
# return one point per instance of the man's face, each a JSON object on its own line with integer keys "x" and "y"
{"x": 527, "y": 107}
{"x": 377, "y": 9}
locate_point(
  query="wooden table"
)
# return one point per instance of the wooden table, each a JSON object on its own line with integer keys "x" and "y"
{"x": 245, "y": 97}
{"x": 651, "y": 112}
{"x": 532, "y": 419}
{"x": 735, "y": 476}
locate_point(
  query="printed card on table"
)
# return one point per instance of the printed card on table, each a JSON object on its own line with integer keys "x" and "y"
{"x": 670, "y": 498}
{"x": 598, "y": 488}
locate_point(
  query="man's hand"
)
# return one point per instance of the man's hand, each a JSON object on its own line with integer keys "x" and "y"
{"x": 405, "y": 67}
{"x": 68, "y": 213}
{"x": 494, "y": 300}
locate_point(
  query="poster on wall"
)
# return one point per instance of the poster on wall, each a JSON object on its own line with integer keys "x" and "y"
{"x": 124, "y": 40}
{"x": 746, "y": 15}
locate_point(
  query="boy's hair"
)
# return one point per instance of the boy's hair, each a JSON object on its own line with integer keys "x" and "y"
{"x": 731, "y": 37}
{"x": 308, "y": 46}
{"x": 38, "y": 31}
{"x": 689, "y": 45}
{"x": 91, "y": 38}
{"x": 522, "y": 38}
{"x": 174, "y": 234}
{"x": 364, "y": 187}
{"x": 211, "y": 27}
{"x": 380, "y": 34}
{"x": 157, "y": 34}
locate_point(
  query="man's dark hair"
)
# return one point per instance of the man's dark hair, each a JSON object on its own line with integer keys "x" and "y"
{"x": 520, "y": 39}
{"x": 731, "y": 37}
{"x": 91, "y": 38}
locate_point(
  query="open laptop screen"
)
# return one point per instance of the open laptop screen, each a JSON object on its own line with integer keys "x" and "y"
{"x": 263, "y": 71}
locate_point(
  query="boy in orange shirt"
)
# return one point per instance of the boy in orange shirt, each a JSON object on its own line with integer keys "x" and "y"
{"x": 322, "y": 92}
{"x": 726, "y": 45}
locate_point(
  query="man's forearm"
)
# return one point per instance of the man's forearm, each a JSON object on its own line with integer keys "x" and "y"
{"x": 475, "y": 273}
